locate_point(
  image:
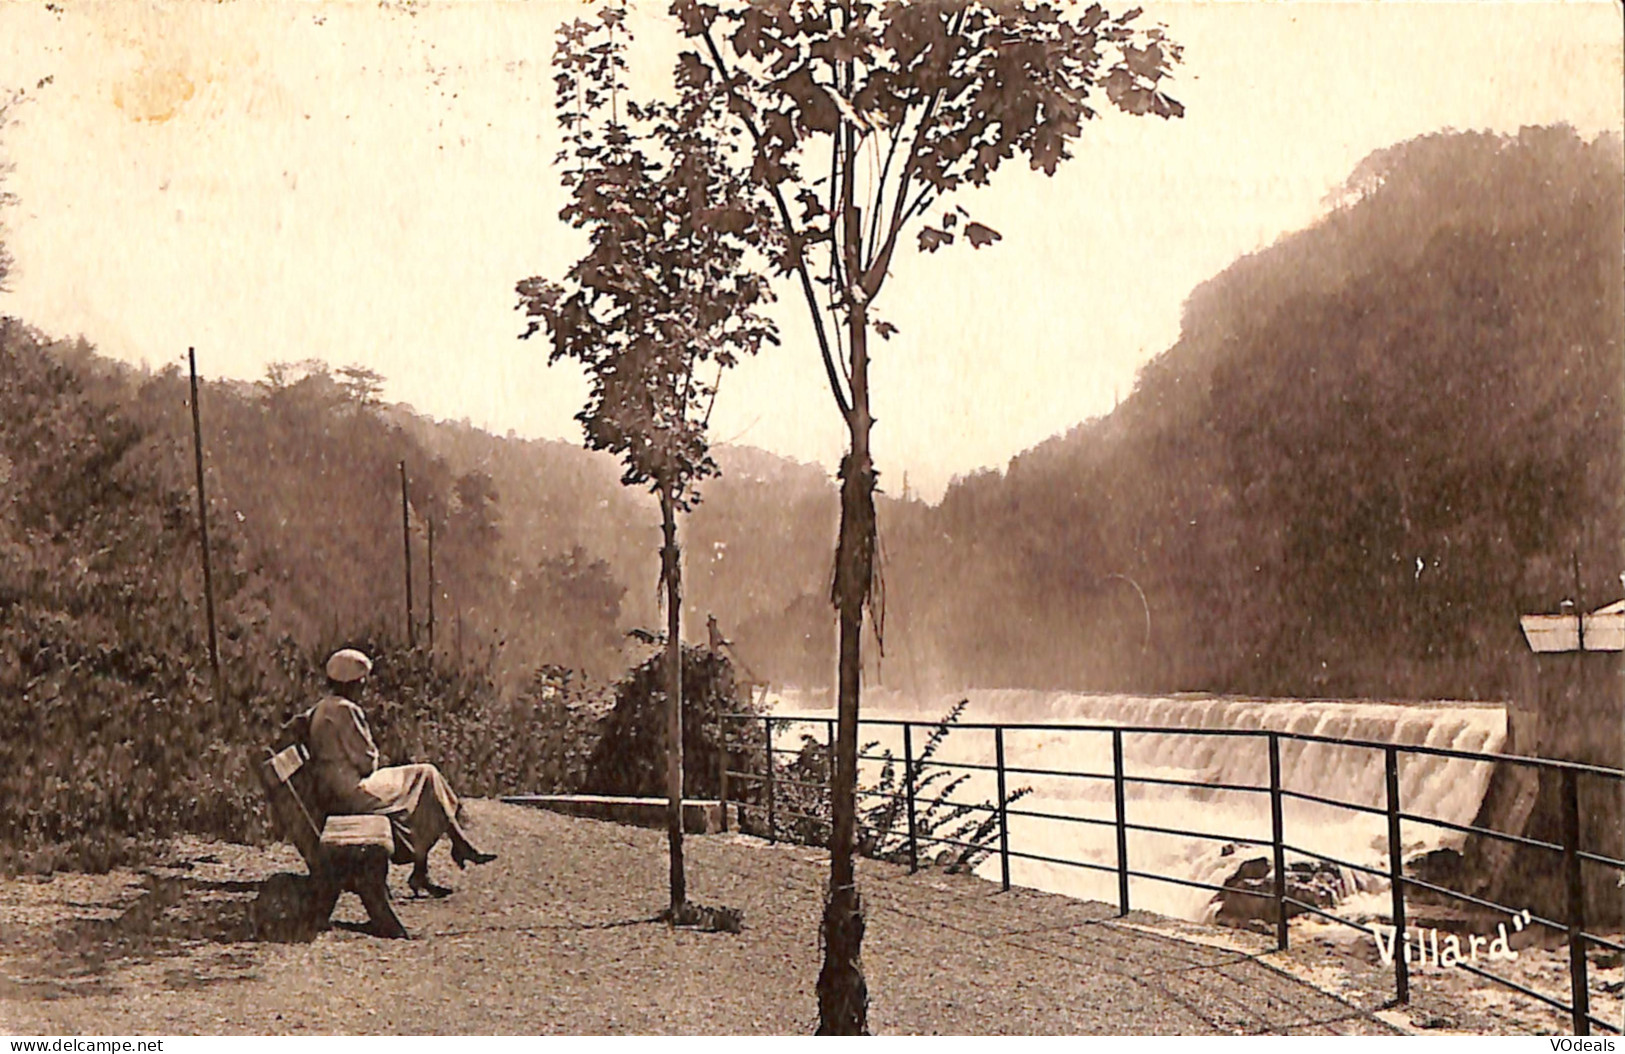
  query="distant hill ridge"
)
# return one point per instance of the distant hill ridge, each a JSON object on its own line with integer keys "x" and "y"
{"x": 1375, "y": 443}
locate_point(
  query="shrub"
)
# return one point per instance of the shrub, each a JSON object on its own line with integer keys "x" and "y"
{"x": 630, "y": 757}
{"x": 801, "y": 808}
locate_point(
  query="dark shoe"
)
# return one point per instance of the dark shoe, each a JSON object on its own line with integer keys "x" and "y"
{"x": 420, "y": 884}
{"x": 462, "y": 856}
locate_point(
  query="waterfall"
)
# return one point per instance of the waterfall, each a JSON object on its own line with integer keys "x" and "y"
{"x": 1448, "y": 789}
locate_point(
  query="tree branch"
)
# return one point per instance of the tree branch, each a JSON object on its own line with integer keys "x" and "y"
{"x": 807, "y": 290}
{"x": 880, "y": 184}
{"x": 837, "y": 276}
{"x": 921, "y": 203}
{"x": 876, "y": 272}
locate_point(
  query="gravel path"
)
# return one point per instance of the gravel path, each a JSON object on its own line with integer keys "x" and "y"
{"x": 557, "y": 937}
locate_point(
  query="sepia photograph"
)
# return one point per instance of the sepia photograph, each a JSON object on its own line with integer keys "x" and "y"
{"x": 788, "y": 517}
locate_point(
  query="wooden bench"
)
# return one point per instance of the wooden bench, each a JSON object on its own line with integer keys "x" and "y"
{"x": 343, "y": 852}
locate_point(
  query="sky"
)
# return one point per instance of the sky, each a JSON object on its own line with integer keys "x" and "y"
{"x": 365, "y": 183}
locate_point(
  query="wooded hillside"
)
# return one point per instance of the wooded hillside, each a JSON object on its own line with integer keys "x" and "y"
{"x": 1375, "y": 444}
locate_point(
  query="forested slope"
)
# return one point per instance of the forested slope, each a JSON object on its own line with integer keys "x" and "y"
{"x": 1375, "y": 444}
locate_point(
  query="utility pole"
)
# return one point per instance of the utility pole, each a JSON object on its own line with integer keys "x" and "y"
{"x": 203, "y": 527}
{"x": 431, "y": 584}
{"x": 406, "y": 542}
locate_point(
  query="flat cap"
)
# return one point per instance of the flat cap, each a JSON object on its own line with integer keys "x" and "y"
{"x": 348, "y": 665}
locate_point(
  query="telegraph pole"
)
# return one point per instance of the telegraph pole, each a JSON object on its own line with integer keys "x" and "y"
{"x": 431, "y": 583}
{"x": 406, "y": 542}
{"x": 203, "y": 527}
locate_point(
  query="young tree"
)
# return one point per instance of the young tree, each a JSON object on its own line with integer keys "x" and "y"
{"x": 864, "y": 116}
{"x": 663, "y": 301}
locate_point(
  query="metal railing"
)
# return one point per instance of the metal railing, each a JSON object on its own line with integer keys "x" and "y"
{"x": 1573, "y": 857}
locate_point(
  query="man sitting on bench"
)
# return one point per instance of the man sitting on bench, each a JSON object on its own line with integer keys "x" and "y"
{"x": 344, "y": 764}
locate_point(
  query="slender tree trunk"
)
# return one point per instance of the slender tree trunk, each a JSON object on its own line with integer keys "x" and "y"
{"x": 843, "y": 995}
{"x": 670, "y": 572}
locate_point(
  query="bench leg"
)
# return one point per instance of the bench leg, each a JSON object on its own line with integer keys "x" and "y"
{"x": 324, "y": 896}
{"x": 370, "y": 880}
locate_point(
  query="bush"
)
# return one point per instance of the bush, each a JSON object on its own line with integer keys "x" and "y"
{"x": 111, "y": 736}
{"x": 801, "y": 806}
{"x": 630, "y": 757}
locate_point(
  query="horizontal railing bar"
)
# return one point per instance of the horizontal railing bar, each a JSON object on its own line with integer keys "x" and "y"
{"x": 1176, "y": 832}
{"x": 922, "y": 763}
{"x": 1598, "y": 858}
{"x": 955, "y": 804}
{"x": 1333, "y": 802}
{"x": 1174, "y": 730}
{"x": 1603, "y": 942}
{"x": 1177, "y": 881}
{"x": 1555, "y": 1004}
{"x": 1334, "y": 860}
{"x": 1595, "y": 1020}
{"x": 1350, "y": 923}
{"x": 1026, "y": 726}
{"x": 1112, "y": 868}
{"x": 800, "y": 783}
{"x": 1057, "y": 772}
{"x": 1481, "y": 902}
{"x": 1462, "y": 755}
{"x": 1165, "y": 782}
{"x": 803, "y": 816}
{"x": 1060, "y": 816}
{"x": 745, "y": 775}
{"x": 1470, "y": 829}
{"x": 792, "y": 751}
{"x": 954, "y": 841}
{"x": 922, "y": 801}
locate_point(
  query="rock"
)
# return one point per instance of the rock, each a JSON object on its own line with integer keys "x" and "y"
{"x": 1249, "y": 893}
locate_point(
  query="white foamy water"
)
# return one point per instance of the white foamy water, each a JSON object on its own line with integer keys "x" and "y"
{"x": 1442, "y": 788}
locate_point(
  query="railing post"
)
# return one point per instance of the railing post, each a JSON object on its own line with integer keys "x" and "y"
{"x": 908, "y": 792}
{"x": 1396, "y": 876}
{"x": 772, "y": 819}
{"x": 1579, "y": 986}
{"x": 1279, "y": 841}
{"x": 1004, "y": 816}
{"x": 1122, "y": 821}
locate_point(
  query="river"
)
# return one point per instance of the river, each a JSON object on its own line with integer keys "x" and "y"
{"x": 1442, "y": 788}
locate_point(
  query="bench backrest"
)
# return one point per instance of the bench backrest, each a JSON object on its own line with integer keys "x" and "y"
{"x": 289, "y": 809}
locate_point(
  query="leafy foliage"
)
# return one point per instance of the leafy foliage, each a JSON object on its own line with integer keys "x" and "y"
{"x": 942, "y": 817}
{"x": 111, "y": 735}
{"x": 629, "y": 757}
{"x": 941, "y": 94}
{"x": 664, "y": 289}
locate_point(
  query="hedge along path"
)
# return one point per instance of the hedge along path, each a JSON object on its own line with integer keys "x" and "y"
{"x": 557, "y": 937}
